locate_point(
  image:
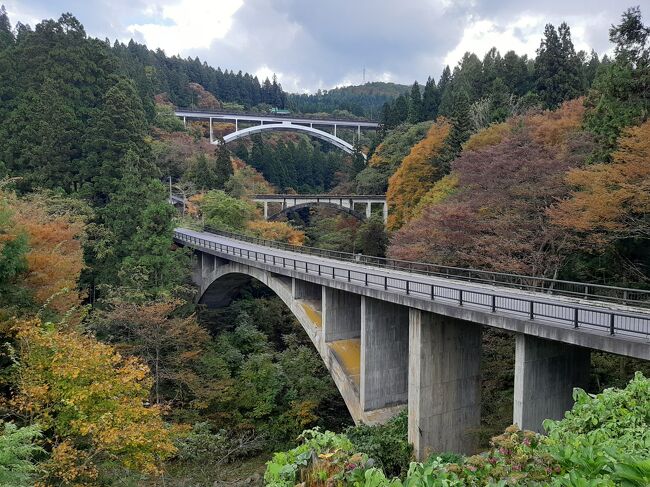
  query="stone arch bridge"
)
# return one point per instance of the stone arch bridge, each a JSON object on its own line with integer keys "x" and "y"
{"x": 397, "y": 335}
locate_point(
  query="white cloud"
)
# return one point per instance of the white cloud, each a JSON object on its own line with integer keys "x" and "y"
{"x": 187, "y": 24}
{"x": 522, "y": 36}
{"x": 19, "y": 12}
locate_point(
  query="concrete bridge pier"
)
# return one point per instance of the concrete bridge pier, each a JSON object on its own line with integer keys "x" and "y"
{"x": 444, "y": 390}
{"x": 384, "y": 354}
{"x": 545, "y": 374}
{"x": 341, "y": 315}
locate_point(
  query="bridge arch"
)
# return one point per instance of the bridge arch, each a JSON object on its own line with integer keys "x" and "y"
{"x": 359, "y": 216}
{"x": 319, "y": 134}
{"x": 220, "y": 282}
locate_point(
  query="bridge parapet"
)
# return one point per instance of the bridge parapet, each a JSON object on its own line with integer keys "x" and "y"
{"x": 415, "y": 339}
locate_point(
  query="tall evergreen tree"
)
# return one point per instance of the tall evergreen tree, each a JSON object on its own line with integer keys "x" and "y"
{"x": 430, "y": 100}
{"x": 461, "y": 128}
{"x": 223, "y": 164}
{"x": 400, "y": 109}
{"x": 118, "y": 127}
{"x": 6, "y": 35}
{"x": 415, "y": 104}
{"x": 556, "y": 67}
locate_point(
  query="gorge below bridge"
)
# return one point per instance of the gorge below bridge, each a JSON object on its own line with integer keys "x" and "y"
{"x": 397, "y": 334}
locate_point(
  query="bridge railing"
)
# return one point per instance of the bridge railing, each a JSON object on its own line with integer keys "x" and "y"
{"x": 597, "y": 292}
{"x": 576, "y": 316}
{"x": 299, "y": 116}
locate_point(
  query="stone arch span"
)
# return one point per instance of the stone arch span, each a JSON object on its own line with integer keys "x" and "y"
{"x": 319, "y": 134}
{"x": 219, "y": 283}
{"x": 359, "y": 216}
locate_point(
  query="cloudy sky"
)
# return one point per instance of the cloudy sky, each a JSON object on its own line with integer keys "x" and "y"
{"x": 314, "y": 44}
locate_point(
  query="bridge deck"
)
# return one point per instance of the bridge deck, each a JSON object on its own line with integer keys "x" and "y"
{"x": 252, "y": 117}
{"x": 616, "y": 328}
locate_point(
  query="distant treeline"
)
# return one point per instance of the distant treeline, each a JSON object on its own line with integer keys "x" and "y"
{"x": 500, "y": 86}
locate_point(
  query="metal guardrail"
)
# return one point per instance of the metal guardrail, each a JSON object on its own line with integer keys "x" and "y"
{"x": 596, "y": 292}
{"x": 576, "y": 316}
{"x": 300, "y": 116}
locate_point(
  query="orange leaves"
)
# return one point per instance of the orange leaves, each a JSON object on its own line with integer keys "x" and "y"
{"x": 611, "y": 200}
{"x": 552, "y": 128}
{"x": 416, "y": 175}
{"x": 92, "y": 399}
{"x": 55, "y": 256}
{"x": 280, "y": 231}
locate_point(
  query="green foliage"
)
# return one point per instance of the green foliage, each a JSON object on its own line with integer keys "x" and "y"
{"x": 283, "y": 469}
{"x": 371, "y": 238}
{"x": 619, "y": 96}
{"x": 165, "y": 119}
{"x": 18, "y": 452}
{"x": 223, "y": 212}
{"x": 387, "y": 444}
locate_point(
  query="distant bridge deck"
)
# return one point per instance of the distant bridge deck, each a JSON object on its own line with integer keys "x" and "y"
{"x": 342, "y": 202}
{"x": 271, "y": 118}
{"x": 587, "y": 315}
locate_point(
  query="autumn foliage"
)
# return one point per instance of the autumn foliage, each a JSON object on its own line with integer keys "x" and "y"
{"x": 416, "y": 175}
{"x": 92, "y": 399}
{"x": 491, "y": 212}
{"x": 55, "y": 256}
{"x": 280, "y": 231}
{"x": 611, "y": 200}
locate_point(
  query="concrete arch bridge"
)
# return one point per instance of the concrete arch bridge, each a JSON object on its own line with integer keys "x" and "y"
{"x": 397, "y": 335}
{"x": 345, "y": 203}
{"x": 266, "y": 122}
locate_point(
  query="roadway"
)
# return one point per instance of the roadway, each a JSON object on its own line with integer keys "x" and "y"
{"x": 593, "y": 317}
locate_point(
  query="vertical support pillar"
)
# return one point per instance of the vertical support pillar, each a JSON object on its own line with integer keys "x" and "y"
{"x": 385, "y": 212}
{"x": 444, "y": 391}
{"x": 368, "y": 209}
{"x": 184, "y": 122}
{"x": 545, "y": 374}
{"x": 341, "y": 314}
{"x": 236, "y": 125}
{"x": 334, "y": 130}
{"x": 211, "y": 130}
{"x": 266, "y": 210}
{"x": 358, "y": 132}
{"x": 384, "y": 354}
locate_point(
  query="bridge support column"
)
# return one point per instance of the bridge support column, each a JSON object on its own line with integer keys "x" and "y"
{"x": 341, "y": 314}
{"x": 211, "y": 138}
{"x": 384, "y": 354}
{"x": 306, "y": 290}
{"x": 444, "y": 390}
{"x": 385, "y": 212}
{"x": 266, "y": 210}
{"x": 368, "y": 210}
{"x": 545, "y": 374}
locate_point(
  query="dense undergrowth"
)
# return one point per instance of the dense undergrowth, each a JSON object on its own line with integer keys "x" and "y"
{"x": 603, "y": 441}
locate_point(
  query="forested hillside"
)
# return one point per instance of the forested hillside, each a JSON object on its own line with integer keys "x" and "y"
{"x": 364, "y": 100}
{"x": 113, "y": 375}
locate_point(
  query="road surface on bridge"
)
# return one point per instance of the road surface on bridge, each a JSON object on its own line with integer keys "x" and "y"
{"x": 592, "y": 317}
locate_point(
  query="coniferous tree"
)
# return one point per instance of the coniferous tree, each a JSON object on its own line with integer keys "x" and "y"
{"x": 6, "y": 35}
{"x": 556, "y": 67}
{"x": 400, "y": 109}
{"x": 223, "y": 164}
{"x": 430, "y": 100}
{"x": 461, "y": 128}
{"x": 118, "y": 127}
{"x": 415, "y": 104}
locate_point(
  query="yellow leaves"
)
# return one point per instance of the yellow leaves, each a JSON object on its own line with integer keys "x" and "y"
{"x": 416, "y": 175}
{"x": 93, "y": 401}
{"x": 440, "y": 191}
{"x": 611, "y": 200}
{"x": 280, "y": 231}
{"x": 489, "y": 136}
